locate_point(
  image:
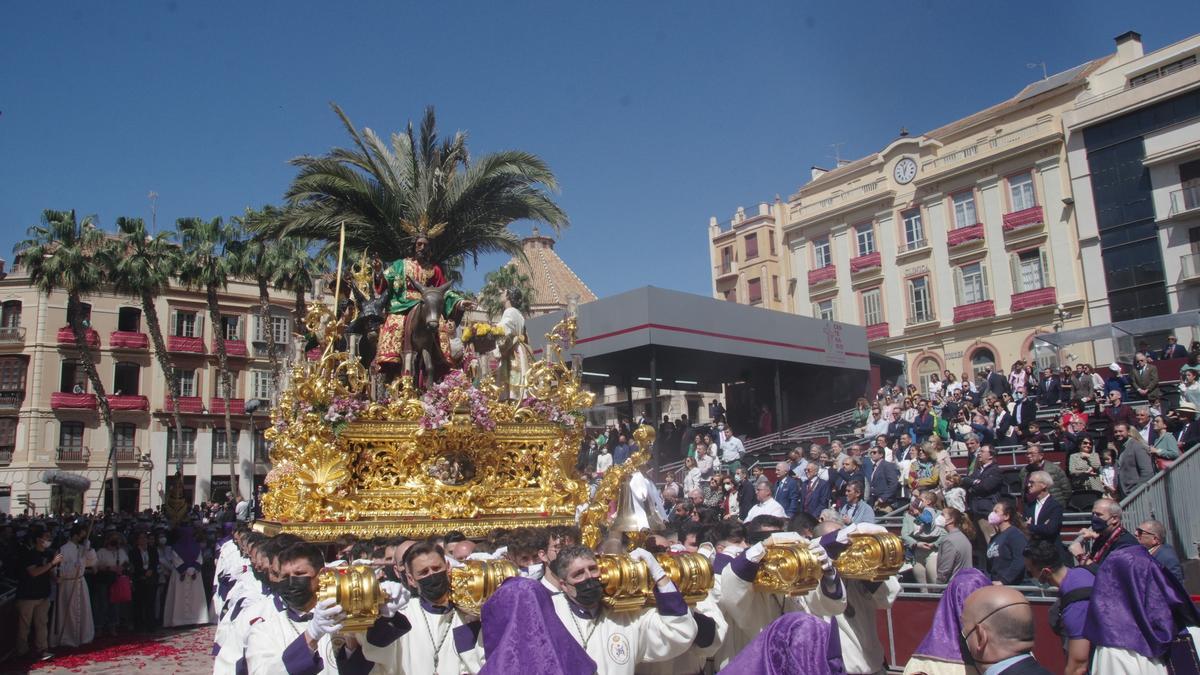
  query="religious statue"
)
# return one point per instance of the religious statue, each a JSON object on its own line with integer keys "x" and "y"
{"x": 513, "y": 347}
{"x": 176, "y": 506}
{"x": 418, "y": 298}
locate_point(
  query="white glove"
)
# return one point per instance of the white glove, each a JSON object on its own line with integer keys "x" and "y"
{"x": 871, "y": 528}
{"x": 677, "y": 548}
{"x": 843, "y": 535}
{"x": 656, "y": 570}
{"x": 818, "y": 552}
{"x": 756, "y": 552}
{"x": 707, "y": 550}
{"x": 733, "y": 551}
{"x": 783, "y": 538}
{"x": 398, "y": 597}
{"x": 327, "y": 619}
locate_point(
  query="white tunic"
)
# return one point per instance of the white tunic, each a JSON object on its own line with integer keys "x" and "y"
{"x": 420, "y": 636}
{"x": 751, "y": 610}
{"x": 73, "y": 607}
{"x": 1116, "y": 661}
{"x": 618, "y": 642}
{"x": 861, "y": 650}
{"x": 694, "y": 659}
{"x": 186, "y": 602}
{"x": 276, "y": 645}
{"x": 234, "y": 630}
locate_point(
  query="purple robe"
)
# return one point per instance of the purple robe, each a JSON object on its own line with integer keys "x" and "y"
{"x": 796, "y": 643}
{"x": 941, "y": 642}
{"x": 1137, "y": 604}
{"x": 187, "y": 547}
{"x": 522, "y": 634}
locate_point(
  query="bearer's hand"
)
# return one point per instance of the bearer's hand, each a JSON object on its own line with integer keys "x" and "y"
{"x": 327, "y": 618}
{"x": 398, "y": 597}
{"x": 656, "y": 570}
{"x": 818, "y": 551}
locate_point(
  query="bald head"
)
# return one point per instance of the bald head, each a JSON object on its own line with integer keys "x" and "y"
{"x": 825, "y": 527}
{"x": 998, "y": 624}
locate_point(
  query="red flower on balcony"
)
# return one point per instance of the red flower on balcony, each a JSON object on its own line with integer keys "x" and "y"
{"x": 975, "y": 310}
{"x": 1029, "y": 299}
{"x": 63, "y": 400}
{"x": 237, "y": 406}
{"x": 124, "y": 339}
{"x": 129, "y": 402}
{"x": 1023, "y": 218}
{"x": 187, "y": 404}
{"x": 867, "y": 261}
{"x": 178, "y": 343}
{"x": 964, "y": 234}
{"x": 66, "y": 337}
{"x": 817, "y": 276}
{"x": 232, "y": 348}
{"x": 877, "y": 331}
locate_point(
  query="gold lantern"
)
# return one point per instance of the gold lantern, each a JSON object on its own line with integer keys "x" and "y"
{"x": 871, "y": 557}
{"x": 691, "y": 572}
{"x": 790, "y": 569}
{"x": 473, "y": 583}
{"x": 356, "y": 589}
{"x": 626, "y": 582}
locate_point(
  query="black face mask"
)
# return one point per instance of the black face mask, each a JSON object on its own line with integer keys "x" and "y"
{"x": 588, "y": 593}
{"x": 1099, "y": 524}
{"x": 434, "y": 587}
{"x": 296, "y": 592}
{"x": 259, "y": 576}
{"x": 389, "y": 574}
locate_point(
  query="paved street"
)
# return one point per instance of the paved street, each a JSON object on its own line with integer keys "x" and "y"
{"x": 184, "y": 652}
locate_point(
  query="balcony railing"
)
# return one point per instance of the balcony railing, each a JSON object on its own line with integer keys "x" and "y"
{"x": 63, "y": 400}
{"x": 187, "y": 404}
{"x": 187, "y": 456}
{"x": 822, "y": 275}
{"x": 1016, "y": 136}
{"x": 66, "y": 337}
{"x": 1185, "y": 199}
{"x": 964, "y": 235}
{"x": 262, "y": 350}
{"x": 847, "y": 197}
{"x": 1036, "y": 298}
{"x": 233, "y": 348}
{"x": 914, "y": 245}
{"x": 222, "y": 455}
{"x": 1189, "y": 267}
{"x": 877, "y": 331}
{"x": 123, "y": 339}
{"x": 128, "y": 402}
{"x": 128, "y": 455}
{"x": 11, "y": 400}
{"x": 975, "y": 310}
{"x": 918, "y": 319}
{"x": 190, "y": 345}
{"x": 1019, "y": 220}
{"x": 237, "y": 406}
{"x": 12, "y": 335}
{"x": 865, "y": 262}
{"x": 6, "y": 455}
{"x": 73, "y": 455}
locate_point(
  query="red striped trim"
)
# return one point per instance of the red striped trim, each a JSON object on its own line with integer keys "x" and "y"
{"x": 695, "y": 331}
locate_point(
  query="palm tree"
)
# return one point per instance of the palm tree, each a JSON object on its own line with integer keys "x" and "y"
{"x": 373, "y": 188}
{"x": 261, "y": 261}
{"x": 60, "y": 254}
{"x": 211, "y": 254}
{"x": 141, "y": 266}
{"x": 296, "y": 269}
{"x": 491, "y": 296}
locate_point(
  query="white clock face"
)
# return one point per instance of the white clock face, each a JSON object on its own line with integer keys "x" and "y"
{"x": 905, "y": 171}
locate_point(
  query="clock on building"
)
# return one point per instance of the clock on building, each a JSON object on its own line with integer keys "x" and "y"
{"x": 905, "y": 170}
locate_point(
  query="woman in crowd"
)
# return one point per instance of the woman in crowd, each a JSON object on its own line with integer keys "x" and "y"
{"x": 1016, "y": 377}
{"x": 862, "y": 411}
{"x": 1084, "y": 467}
{"x": 1166, "y": 448}
{"x": 1189, "y": 389}
{"x": 1108, "y": 475}
{"x": 924, "y": 474}
{"x": 604, "y": 460}
{"x": 935, "y": 386}
{"x": 921, "y": 537}
{"x": 1006, "y": 552}
{"x": 691, "y": 476}
{"x": 910, "y": 410}
{"x": 954, "y": 494}
{"x": 954, "y": 552}
{"x": 112, "y": 561}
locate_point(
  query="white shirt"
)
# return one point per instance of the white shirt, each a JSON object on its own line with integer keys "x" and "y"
{"x": 619, "y": 641}
{"x": 603, "y": 462}
{"x": 1037, "y": 508}
{"x": 112, "y": 560}
{"x": 767, "y": 508}
{"x": 432, "y": 633}
{"x": 732, "y": 449}
{"x": 272, "y": 644}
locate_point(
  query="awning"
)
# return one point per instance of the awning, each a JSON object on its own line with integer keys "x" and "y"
{"x": 1120, "y": 329}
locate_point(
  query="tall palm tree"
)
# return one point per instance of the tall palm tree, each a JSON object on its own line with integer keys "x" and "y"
{"x": 373, "y": 187}
{"x": 60, "y": 254}
{"x": 491, "y": 296}
{"x": 211, "y": 254}
{"x": 141, "y": 266}
{"x": 296, "y": 269}
{"x": 261, "y": 262}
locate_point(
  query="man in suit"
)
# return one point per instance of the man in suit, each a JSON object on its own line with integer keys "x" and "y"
{"x": 883, "y": 480}
{"x": 787, "y": 489}
{"x": 1134, "y": 466}
{"x": 1143, "y": 424}
{"x": 1049, "y": 389}
{"x": 1082, "y": 387}
{"x": 922, "y": 426}
{"x": 997, "y": 383}
{"x": 983, "y": 486}
{"x": 897, "y": 427}
{"x": 1118, "y": 412}
{"x": 998, "y": 630}
{"x": 814, "y": 493}
{"x": 1153, "y": 535}
{"x": 1188, "y": 433}
{"x": 1044, "y": 513}
{"x": 1025, "y": 411}
{"x": 1173, "y": 350}
{"x": 1060, "y": 485}
{"x": 143, "y": 572}
{"x": 1144, "y": 378}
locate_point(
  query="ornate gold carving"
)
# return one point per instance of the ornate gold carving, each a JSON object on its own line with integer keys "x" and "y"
{"x": 790, "y": 569}
{"x": 626, "y": 582}
{"x": 691, "y": 572}
{"x": 356, "y": 589}
{"x": 594, "y": 520}
{"x": 871, "y": 557}
{"x": 472, "y": 584}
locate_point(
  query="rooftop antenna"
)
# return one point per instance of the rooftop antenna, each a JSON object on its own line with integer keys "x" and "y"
{"x": 1031, "y": 66}
{"x": 837, "y": 153}
{"x": 153, "y": 197}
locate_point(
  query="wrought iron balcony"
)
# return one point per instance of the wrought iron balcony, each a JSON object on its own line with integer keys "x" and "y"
{"x": 237, "y": 406}
{"x": 1036, "y": 298}
{"x": 1019, "y": 220}
{"x": 187, "y": 456}
{"x": 188, "y": 345}
{"x": 964, "y": 235}
{"x": 822, "y": 275}
{"x": 975, "y": 310}
{"x": 11, "y": 400}
{"x": 12, "y": 335}
{"x": 235, "y": 348}
{"x": 187, "y": 404}
{"x": 128, "y": 402}
{"x": 73, "y": 455}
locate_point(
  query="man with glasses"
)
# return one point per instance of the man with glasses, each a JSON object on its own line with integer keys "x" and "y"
{"x": 1144, "y": 378}
{"x": 998, "y": 633}
{"x": 1153, "y": 536}
{"x": 883, "y": 480}
{"x": 1104, "y": 535}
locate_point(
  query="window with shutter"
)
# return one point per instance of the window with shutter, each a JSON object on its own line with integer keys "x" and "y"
{"x": 919, "y": 308}
{"x": 1020, "y": 190}
{"x": 972, "y": 283}
{"x": 872, "y": 307}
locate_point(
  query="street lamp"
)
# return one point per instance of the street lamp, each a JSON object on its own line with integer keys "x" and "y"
{"x": 252, "y": 406}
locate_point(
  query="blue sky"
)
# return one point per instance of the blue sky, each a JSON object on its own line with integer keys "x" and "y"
{"x": 654, "y": 115}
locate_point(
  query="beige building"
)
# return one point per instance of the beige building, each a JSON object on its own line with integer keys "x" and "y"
{"x": 749, "y": 262}
{"x": 49, "y": 418}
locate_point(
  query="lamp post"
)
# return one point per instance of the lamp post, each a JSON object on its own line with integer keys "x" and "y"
{"x": 252, "y": 406}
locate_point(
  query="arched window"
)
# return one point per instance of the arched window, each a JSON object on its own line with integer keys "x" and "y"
{"x": 982, "y": 358}
{"x": 925, "y": 368}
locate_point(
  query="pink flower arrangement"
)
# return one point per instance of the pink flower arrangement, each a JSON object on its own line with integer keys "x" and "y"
{"x": 455, "y": 390}
{"x": 550, "y": 412}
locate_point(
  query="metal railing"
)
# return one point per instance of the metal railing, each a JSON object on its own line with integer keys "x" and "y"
{"x": 1169, "y": 497}
{"x": 995, "y": 143}
{"x": 1189, "y": 266}
{"x": 6, "y": 456}
{"x": 12, "y": 334}
{"x": 129, "y": 454}
{"x": 11, "y": 400}
{"x": 187, "y": 455}
{"x": 1185, "y": 199}
{"x": 73, "y": 454}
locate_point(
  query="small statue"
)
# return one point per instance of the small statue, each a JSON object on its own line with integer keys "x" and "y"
{"x": 512, "y": 375}
{"x": 176, "y": 506}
